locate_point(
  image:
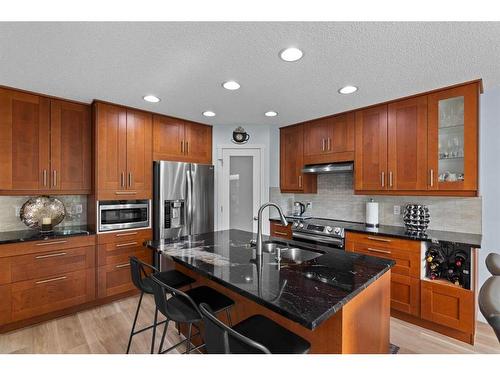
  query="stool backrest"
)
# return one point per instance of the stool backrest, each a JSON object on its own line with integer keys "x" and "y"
{"x": 160, "y": 291}
{"x": 218, "y": 335}
{"x": 138, "y": 272}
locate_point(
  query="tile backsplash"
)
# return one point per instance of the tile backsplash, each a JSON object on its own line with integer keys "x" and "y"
{"x": 335, "y": 199}
{"x": 10, "y": 206}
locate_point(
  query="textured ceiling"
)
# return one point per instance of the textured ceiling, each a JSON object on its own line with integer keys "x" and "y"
{"x": 185, "y": 63}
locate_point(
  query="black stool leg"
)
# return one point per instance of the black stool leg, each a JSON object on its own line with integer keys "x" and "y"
{"x": 163, "y": 336}
{"x": 178, "y": 328}
{"x": 188, "y": 344}
{"x": 135, "y": 321}
{"x": 154, "y": 332}
{"x": 228, "y": 314}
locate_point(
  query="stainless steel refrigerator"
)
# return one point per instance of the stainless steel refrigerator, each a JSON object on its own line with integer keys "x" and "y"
{"x": 183, "y": 199}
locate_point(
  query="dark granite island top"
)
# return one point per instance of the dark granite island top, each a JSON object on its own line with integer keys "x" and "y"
{"x": 308, "y": 293}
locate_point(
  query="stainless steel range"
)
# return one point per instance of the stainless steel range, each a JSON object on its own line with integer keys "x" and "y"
{"x": 319, "y": 231}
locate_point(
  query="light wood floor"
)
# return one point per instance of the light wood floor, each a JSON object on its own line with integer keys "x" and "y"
{"x": 105, "y": 329}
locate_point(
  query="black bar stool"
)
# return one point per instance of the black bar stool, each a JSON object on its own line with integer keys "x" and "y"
{"x": 255, "y": 335}
{"x": 182, "y": 307}
{"x": 144, "y": 283}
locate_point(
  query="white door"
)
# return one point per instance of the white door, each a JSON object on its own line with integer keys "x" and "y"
{"x": 240, "y": 185}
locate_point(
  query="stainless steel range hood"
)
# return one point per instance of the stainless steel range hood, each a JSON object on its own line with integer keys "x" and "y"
{"x": 328, "y": 168}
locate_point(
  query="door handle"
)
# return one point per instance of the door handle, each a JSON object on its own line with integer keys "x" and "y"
{"x": 382, "y": 175}
{"x": 280, "y": 233}
{"x": 54, "y": 178}
{"x": 44, "y": 177}
{"x": 378, "y": 250}
{"x": 50, "y": 255}
{"x": 378, "y": 239}
{"x": 300, "y": 181}
{"x": 187, "y": 147}
{"x": 121, "y": 179}
{"x": 329, "y": 144}
{"x": 50, "y": 243}
{"x": 323, "y": 144}
{"x": 390, "y": 179}
{"x": 129, "y": 179}
{"x": 431, "y": 176}
{"x": 122, "y": 265}
{"x": 182, "y": 147}
{"x": 126, "y": 244}
{"x": 125, "y": 234}
{"x": 51, "y": 280}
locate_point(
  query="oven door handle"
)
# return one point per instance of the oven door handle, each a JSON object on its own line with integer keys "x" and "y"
{"x": 312, "y": 237}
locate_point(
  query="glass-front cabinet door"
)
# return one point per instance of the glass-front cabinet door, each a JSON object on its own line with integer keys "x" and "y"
{"x": 453, "y": 138}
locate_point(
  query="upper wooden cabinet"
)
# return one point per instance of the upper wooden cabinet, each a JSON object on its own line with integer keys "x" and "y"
{"x": 45, "y": 145}
{"x": 329, "y": 139}
{"x": 71, "y": 146}
{"x": 123, "y": 152}
{"x": 179, "y": 140}
{"x": 292, "y": 161}
{"x": 453, "y": 139}
{"x": 371, "y": 149}
{"x": 407, "y": 144}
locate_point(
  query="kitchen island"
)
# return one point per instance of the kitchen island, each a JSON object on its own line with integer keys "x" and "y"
{"x": 338, "y": 301}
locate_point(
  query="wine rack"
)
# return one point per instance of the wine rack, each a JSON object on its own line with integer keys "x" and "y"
{"x": 448, "y": 261}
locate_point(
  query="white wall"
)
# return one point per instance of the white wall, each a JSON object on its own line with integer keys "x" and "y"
{"x": 259, "y": 134}
{"x": 489, "y": 177}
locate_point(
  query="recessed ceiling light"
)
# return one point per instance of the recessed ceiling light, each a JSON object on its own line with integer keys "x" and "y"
{"x": 271, "y": 114}
{"x": 348, "y": 89}
{"x": 151, "y": 98}
{"x": 209, "y": 114}
{"x": 231, "y": 85}
{"x": 291, "y": 54}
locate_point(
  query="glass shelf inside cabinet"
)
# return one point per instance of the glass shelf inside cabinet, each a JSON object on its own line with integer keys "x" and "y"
{"x": 451, "y": 139}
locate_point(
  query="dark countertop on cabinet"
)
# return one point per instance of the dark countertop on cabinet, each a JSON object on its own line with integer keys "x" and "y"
{"x": 307, "y": 293}
{"x": 35, "y": 235}
{"x": 469, "y": 239}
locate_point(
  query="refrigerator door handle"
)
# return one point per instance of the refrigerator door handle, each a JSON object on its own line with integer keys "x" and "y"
{"x": 189, "y": 201}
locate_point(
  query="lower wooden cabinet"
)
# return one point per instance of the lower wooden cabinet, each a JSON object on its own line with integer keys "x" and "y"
{"x": 280, "y": 230}
{"x": 405, "y": 294}
{"x": 40, "y": 296}
{"x": 448, "y": 305}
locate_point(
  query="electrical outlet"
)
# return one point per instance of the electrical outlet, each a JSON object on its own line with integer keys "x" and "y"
{"x": 78, "y": 208}
{"x": 397, "y": 210}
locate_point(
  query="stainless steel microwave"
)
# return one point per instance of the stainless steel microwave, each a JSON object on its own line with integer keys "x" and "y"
{"x": 120, "y": 215}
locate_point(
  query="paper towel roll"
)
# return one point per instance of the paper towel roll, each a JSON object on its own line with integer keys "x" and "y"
{"x": 372, "y": 214}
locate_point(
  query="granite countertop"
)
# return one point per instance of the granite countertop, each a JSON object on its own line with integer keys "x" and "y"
{"x": 468, "y": 239}
{"x": 307, "y": 293}
{"x": 35, "y": 235}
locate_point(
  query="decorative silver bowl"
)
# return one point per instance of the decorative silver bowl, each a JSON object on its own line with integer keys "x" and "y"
{"x": 35, "y": 209}
{"x": 416, "y": 218}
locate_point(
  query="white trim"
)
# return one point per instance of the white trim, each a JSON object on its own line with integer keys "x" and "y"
{"x": 264, "y": 193}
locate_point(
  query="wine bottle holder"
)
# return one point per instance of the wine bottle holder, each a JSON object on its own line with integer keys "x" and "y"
{"x": 449, "y": 261}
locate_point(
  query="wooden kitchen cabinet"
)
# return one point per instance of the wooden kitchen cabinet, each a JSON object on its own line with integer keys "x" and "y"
{"x": 24, "y": 142}
{"x": 371, "y": 149}
{"x": 453, "y": 139}
{"x": 292, "y": 180}
{"x": 405, "y": 275}
{"x": 46, "y": 145}
{"x": 123, "y": 152}
{"x": 407, "y": 145}
{"x": 279, "y": 230}
{"x": 329, "y": 139}
{"x": 71, "y": 147}
{"x": 448, "y": 305}
{"x": 180, "y": 140}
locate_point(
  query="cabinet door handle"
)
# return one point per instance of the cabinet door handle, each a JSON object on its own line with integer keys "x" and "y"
{"x": 382, "y": 175}
{"x": 378, "y": 250}
{"x": 51, "y": 280}
{"x": 187, "y": 147}
{"x": 50, "y": 243}
{"x": 121, "y": 179}
{"x": 390, "y": 179}
{"x": 44, "y": 177}
{"x": 329, "y": 144}
{"x": 125, "y": 192}
{"x": 54, "y": 178}
{"x": 300, "y": 181}
{"x": 280, "y": 233}
{"x": 182, "y": 147}
{"x": 323, "y": 144}
{"x": 125, "y": 234}
{"x": 50, "y": 255}
{"x": 129, "y": 179}
{"x": 378, "y": 239}
{"x": 126, "y": 244}
{"x": 431, "y": 176}
{"x": 122, "y": 265}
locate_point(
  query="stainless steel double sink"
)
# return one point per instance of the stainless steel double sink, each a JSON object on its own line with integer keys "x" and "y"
{"x": 293, "y": 254}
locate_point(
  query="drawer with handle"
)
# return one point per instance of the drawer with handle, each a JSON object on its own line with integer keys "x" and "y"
{"x": 44, "y": 264}
{"x": 384, "y": 241}
{"x": 30, "y": 247}
{"x": 280, "y": 230}
{"x": 113, "y": 279}
{"x": 120, "y": 252}
{"x": 43, "y": 295}
{"x": 139, "y": 235}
